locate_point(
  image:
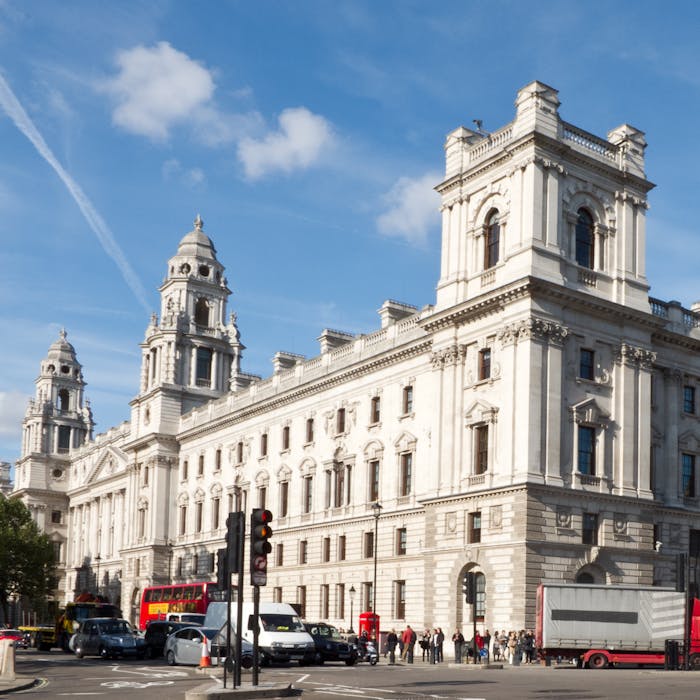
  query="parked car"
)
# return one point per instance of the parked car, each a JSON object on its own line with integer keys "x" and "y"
{"x": 157, "y": 632}
{"x": 108, "y": 637}
{"x": 184, "y": 646}
{"x": 330, "y": 646}
{"x": 17, "y": 636}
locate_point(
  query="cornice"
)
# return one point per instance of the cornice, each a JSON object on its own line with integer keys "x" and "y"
{"x": 287, "y": 397}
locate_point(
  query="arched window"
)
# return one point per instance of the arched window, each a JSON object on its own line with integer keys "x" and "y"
{"x": 584, "y": 239}
{"x": 585, "y": 577}
{"x": 63, "y": 400}
{"x": 201, "y": 312}
{"x": 492, "y": 241}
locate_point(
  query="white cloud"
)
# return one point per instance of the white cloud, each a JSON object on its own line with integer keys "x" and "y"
{"x": 173, "y": 169}
{"x": 158, "y": 87}
{"x": 299, "y": 142}
{"x": 412, "y": 209}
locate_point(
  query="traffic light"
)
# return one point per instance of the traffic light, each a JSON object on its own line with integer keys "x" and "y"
{"x": 235, "y": 532}
{"x": 469, "y": 587}
{"x": 260, "y": 533}
{"x": 222, "y": 573}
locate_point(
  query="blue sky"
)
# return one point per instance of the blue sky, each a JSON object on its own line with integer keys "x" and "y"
{"x": 308, "y": 135}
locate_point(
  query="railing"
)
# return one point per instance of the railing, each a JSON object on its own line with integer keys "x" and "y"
{"x": 658, "y": 307}
{"x": 490, "y": 142}
{"x": 587, "y": 277}
{"x": 488, "y": 277}
{"x": 589, "y": 141}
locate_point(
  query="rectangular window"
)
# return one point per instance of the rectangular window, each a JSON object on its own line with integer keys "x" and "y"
{"x": 406, "y": 474}
{"x": 407, "y": 403}
{"x": 285, "y": 437}
{"x": 284, "y": 499}
{"x": 374, "y": 480}
{"x": 589, "y": 534}
{"x": 689, "y": 399}
{"x": 689, "y": 476}
{"x": 179, "y": 567}
{"x": 309, "y": 430}
{"x": 212, "y": 563}
{"x": 400, "y": 600}
{"x": 301, "y": 601}
{"x": 183, "y": 520}
{"x": 326, "y": 549}
{"x": 341, "y": 548}
{"x": 195, "y": 564}
{"x": 694, "y": 543}
{"x": 200, "y": 467}
{"x": 325, "y": 600}
{"x": 481, "y": 457}
{"x": 475, "y": 527}
{"x": 400, "y": 541}
{"x": 375, "y": 410}
{"x": 586, "y": 450}
{"x": 262, "y": 496}
{"x": 368, "y": 549}
{"x": 308, "y": 494}
{"x": 56, "y": 516}
{"x": 340, "y": 600}
{"x": 217, "y": 460}
{"x": 484, "y": 364}
{"x": 141, "y": 522}
{"x": 279, "y": 554}
{"x": 185, "y": 469}
{"x": 338, "y": 485}
{"x": 198, "y": 517}
{"x": 586, "y": 367}
{"x": 480, "y": 598}
{"x": 145, "y": 475}
{"x": 63, "y": 438}
{"x": 277, "y": 594}
{"x": 263, "y": 445}
{"x": 340, "y": 421}
{"x": 215, "y": 513}
{"x": 57, "y": 554}
{"x": 203, "y": 369}
{"x": 367, "y": 595}
{"x": 303, "y": 552}
{"x": 239, "y": 453}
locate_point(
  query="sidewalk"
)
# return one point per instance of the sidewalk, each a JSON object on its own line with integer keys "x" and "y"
{"x": 19, "y": 683}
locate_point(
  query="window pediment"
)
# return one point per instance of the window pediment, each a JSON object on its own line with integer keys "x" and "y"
{"x": 589, "y": 413}
{"x": 481, "y": 412}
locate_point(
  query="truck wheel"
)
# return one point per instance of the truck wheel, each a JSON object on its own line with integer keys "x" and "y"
{"x": 694, "y": 662}
{"x": 598, "y": 661}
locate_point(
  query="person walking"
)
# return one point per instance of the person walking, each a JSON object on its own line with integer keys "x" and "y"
{"x": 440, "y": 642}
{"x": 406, "y": 639}
{"x": 487, "y": 645}
{"x": 458, "y": 641}
{"x": 391, "y": 641}
{"x": 411, "y": 645}
{"x": 478, "y": 646}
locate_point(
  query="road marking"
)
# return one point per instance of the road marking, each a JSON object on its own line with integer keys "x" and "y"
{"x": 151, "y": 672}
{"x": 134, "y": 684}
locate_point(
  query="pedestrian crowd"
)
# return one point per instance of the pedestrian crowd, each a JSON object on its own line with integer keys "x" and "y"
{"x": 510, "y": 647}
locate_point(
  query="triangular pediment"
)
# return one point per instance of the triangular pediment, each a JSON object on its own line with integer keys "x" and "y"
{"x": 689, "y": 441}
{"x": 588, "y": 412}
{"x": 110, "y": 461}
{"x": 480, "y": 411}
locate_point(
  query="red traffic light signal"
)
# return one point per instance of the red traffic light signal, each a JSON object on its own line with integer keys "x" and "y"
{"x": 260, "y": 532}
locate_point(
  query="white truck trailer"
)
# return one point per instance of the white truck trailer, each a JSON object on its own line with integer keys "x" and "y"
{"x": 604, "y": 625}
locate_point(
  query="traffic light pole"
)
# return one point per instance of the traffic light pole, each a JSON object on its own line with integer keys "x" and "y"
{"x": 239, "y": 617}
{"x": 256, "y": 631}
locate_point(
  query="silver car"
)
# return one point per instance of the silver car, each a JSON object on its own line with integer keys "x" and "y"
{"x": 185, "y": 647}
{"x": 108, "y": 637}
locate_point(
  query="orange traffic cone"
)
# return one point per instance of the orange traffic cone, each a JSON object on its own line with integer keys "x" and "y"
{"x": 205, "y": 661}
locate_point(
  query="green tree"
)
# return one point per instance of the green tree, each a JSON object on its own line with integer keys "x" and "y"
{"x": 27, "y": 567}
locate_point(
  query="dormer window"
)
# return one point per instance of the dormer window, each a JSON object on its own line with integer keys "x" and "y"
{"x": 584, "y": 239}
{"x": 492, "y": 241}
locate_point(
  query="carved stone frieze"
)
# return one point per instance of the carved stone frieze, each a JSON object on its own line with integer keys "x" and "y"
{"x": 631, "y": 355}
{"x": 533, "y": 327}
{"x": 451, "y": 355}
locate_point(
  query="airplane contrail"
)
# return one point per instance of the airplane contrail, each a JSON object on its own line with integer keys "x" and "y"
{"x": 14, "y": 110}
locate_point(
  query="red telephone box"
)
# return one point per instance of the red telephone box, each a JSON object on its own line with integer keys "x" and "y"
{"x": 369, "y": 622}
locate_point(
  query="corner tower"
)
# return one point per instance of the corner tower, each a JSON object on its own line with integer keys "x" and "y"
{"x": 192, "y": 355}
{"x": 58, "y": 420}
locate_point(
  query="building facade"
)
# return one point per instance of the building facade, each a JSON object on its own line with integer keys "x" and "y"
{"x": 537, "y": 422}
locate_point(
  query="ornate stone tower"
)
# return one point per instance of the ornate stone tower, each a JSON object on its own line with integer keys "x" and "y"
{"x": 58, "y": 419}
{"x": 192, "y": 355}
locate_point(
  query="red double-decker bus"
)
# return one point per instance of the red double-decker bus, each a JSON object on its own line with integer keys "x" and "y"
{"x": 181, "y": 600}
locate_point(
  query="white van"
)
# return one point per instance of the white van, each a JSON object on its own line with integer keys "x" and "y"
{"x": 282, "y": 634}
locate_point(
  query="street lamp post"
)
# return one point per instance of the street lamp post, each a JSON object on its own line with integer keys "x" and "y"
{"x": 352, "y": 600}
{"x": 377, "y": 509}
{"x": 98, "y": 559}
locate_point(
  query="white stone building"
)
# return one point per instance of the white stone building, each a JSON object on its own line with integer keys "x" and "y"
{"x": 538, "y": 421}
